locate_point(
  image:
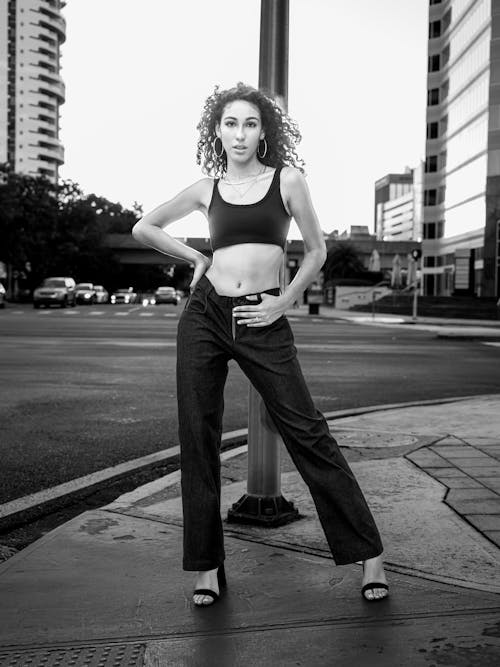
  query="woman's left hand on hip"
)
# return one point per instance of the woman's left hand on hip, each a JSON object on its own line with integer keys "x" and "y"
{"x": 261, "y": 315}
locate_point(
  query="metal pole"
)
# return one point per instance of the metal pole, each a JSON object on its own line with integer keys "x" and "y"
{"x": 263, "y": 503}
{"x": 415, "y": 292}
{"x": 273, "y": 54}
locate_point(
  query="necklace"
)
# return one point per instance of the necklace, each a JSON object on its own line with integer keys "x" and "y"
{"x": 252, "y": 180}
{"x": 244, "y": 180}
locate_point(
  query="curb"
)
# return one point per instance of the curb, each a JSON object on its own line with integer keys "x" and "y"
{"x": 40, "y": 503}
{"x": 362, "y": 317}
{"x": 16, "y": 511}
{"x": 459, "y": 335}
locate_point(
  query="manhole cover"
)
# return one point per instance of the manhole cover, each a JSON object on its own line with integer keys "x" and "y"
{"x": 116, "y": 655}
{"x": 357, "y": 438}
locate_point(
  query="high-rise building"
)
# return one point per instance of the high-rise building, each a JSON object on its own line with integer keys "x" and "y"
{"x": 398, "y": 206}
{"x": 461, "y": 224}
{"x": 31, "y": 88}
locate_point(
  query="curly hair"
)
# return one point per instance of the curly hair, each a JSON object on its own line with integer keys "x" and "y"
{"x": 282, "y": 133}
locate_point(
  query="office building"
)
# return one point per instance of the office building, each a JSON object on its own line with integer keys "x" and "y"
{"x": 398, "y": 206}
{"x": 31, "y": 88}
{"x": 461, "y": 189}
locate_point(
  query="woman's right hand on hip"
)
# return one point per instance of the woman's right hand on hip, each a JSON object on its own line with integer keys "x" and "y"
{"x": 200, "y": 267}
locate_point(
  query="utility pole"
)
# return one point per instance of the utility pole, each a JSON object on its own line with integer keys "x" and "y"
{"x": 263, "y": 503}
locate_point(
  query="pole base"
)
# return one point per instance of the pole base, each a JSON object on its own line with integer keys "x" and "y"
{"x": 313, "y": 309}
{"x": 268, "y": 511}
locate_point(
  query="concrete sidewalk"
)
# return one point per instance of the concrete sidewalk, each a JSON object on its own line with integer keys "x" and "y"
{"x": 107, "y": 588}
{"x": 443, "y": 327}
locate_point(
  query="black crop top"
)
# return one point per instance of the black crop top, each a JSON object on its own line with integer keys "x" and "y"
{"x": 265, "y": 221}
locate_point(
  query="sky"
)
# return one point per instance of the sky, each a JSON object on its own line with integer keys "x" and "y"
{"x": 137, "y": 74}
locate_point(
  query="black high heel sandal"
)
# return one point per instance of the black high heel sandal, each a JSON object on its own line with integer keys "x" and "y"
{"x": 371, "y": 586}
{"x": 221, "y": 580}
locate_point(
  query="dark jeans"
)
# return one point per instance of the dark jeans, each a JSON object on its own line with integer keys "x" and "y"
{"x": 206, "y": 340}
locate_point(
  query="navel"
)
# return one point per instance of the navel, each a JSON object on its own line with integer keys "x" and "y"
{"x": 238, "y": 284}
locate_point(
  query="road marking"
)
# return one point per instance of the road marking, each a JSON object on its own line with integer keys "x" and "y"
{"x": 137, "y": 343}
{"x": 146, "y": 314}
{"x": 346, "y": 348}
{"x": 378, "y": 319}
{"x": 17, "y": 312}
{"x": 45, "y": 312}
{"x": 492, "y": 344}
{"x": 71, "y": 312}
{"x": 122, "y": 314}
{"x": 96, "y": 312}
{"x": 169, "y": 314}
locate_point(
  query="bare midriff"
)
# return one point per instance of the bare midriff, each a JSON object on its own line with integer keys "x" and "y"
{"x": 245, "y": 268}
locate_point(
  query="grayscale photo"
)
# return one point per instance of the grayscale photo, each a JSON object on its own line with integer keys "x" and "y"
{"x": 249, "y": 333}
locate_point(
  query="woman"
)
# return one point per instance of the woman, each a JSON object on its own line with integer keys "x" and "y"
{"x": 235, "y": 310}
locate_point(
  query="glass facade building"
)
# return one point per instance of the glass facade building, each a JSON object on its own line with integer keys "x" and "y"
{"x": 461, "y": 183}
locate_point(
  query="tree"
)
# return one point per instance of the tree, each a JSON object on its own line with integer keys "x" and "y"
{"x": 28, "y": 221}
{"x": 57, "y": 229}
{"x": 343, "y": 261}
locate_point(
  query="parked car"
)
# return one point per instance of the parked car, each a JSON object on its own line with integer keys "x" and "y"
{"x": 2, "y": 296}
{"x": 58, "y": 291}
{"x": 85, "y": 293}
{"x": 101, "y": 295}
{"x": 147, "y": 299}
{"x": 166, "y": 295}
{"x": 125, "y": 295}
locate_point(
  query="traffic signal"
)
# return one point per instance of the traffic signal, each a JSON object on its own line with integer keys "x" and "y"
{"x": 416, "y": 254}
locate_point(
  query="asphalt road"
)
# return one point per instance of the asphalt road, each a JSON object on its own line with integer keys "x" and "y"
{"x": 86, "y": 388}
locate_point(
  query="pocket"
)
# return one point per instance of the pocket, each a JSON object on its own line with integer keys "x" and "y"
{"x": 280, "y": 320}
{"x": 197, "y": 302}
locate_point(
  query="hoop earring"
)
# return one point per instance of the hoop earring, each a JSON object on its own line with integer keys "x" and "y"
{"x": 265, "y": 149}
{"x": 219, "y": 155}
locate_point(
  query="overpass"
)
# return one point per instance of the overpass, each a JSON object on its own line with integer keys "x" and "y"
{"x": 130, "y": 251}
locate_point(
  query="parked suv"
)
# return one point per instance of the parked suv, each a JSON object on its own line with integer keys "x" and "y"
{"x": 58, "y": 291}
